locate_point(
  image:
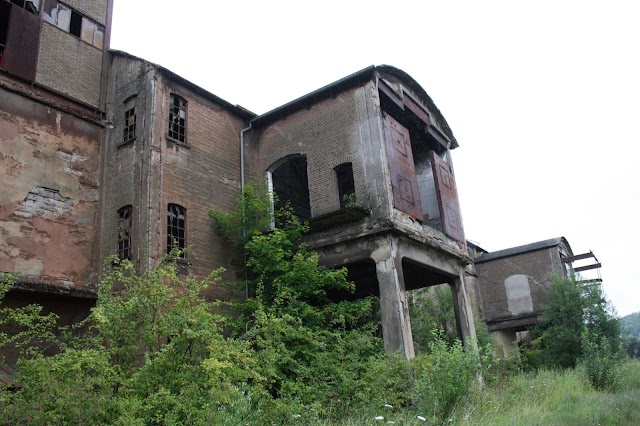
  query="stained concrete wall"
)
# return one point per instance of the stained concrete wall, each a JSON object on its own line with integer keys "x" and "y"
{"x": 49, "y": 192}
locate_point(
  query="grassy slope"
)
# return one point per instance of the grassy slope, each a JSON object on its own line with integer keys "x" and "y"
{"x": 545, "y": 398}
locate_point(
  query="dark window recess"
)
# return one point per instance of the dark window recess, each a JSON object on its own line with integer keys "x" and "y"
{"x": 176, "y": 228}
{"x": 4, "y": 25}
{"x": 177, "y": 118}
{"x": 75, "y": 25}
{"x": 124, "y": 232}
{"x": 129, "y": 131}
{"x": 291, "y": 185}
{"x": 346, "y": 186}
{"x": 30, "y": 6}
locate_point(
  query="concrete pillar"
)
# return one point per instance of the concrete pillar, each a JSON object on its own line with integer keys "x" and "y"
{"x": 394, "y": 310}
{"x": 464, "y": 314}
{"x": 506, "y": 344}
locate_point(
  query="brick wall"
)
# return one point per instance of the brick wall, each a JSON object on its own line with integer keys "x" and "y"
{"x": 536, "y": 266}
{"x": 328, "y": 133}
{"x": 69, "y": 65}
{"x": 201, "y": 176}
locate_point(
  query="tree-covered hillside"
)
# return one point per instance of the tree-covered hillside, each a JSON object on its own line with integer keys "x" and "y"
{"x": 630, "y": 325}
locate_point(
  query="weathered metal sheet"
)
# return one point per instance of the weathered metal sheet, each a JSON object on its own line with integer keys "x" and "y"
{"x": 406, "y": 196}
{"x": 447, "y": 197}
{"x": 21, "y": 51}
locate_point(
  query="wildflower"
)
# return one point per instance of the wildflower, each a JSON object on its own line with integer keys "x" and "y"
{"x": 388, "y": 405}
{"x": 379, "y": 418}
{"x": 296, "y": 416}
{"x": 422, "y": 418}
{"x": 391, "y": 422}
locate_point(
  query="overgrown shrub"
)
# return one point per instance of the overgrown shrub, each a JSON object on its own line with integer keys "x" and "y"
{"x": 599, "y": 362}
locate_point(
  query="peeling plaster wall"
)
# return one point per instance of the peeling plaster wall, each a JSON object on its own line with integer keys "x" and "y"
{"x": 516, "y": 285}
{"x": 49, "y": 192}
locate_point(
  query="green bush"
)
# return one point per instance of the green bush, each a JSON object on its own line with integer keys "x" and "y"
{"x": 443, "y": 377}
{"x": 600, "y": 364}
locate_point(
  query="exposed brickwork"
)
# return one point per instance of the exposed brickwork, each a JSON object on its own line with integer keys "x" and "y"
{"x": 69, "y": 65}
{"x": 328, "y": 134}
{"x": 49, "y": 192}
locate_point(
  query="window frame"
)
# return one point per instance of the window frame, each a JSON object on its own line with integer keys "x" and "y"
{"x": 173, "y": 98}
{"x": 76, "y": 23}
{"x": 129, "y": 128}
{"x": 173, "y": 238}
{"x": 124, "y": 240}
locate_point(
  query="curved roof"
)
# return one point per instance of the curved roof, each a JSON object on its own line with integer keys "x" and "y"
{"x": 348, "y": 82}
{"x": 486, "y": 257}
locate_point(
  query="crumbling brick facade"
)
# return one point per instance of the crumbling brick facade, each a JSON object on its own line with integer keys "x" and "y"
{"x": 110, "y": 154}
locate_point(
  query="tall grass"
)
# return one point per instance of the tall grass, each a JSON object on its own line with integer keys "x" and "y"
{"x": 555, "y": 398}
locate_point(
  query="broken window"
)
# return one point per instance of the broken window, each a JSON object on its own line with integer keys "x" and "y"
{"x": 30, "y": 6}
{"x": 291, "y": 186}
{"x": 176, "y": 217}
{"x": 73, "y": 22}
{"x": 129, "y": 131}
{"x": 4, "y": 25}
{"x": 346, "y": 186}
{"x": 124, "y": 232}
{"x": 177, "y": 118}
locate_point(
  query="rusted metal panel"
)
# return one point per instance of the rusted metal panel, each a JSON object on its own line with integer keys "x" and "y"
{"x": 587, "y": 267}
{"x": 406, "y": 196}
{"x": 447, "y": 197}
{"x": 21, "y": 51}
{"x": 570, "y": 259}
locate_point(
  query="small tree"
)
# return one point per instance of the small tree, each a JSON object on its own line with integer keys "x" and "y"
{"x": 571, "y": 310}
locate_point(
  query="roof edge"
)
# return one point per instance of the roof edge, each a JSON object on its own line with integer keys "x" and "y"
{"x": 237, "y": 109}
{"x": 527, "y": 248}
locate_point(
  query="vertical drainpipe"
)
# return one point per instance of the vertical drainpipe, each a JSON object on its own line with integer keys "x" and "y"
{"x": 244, "y": 227}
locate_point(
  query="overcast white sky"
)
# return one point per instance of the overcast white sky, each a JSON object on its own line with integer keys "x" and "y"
{"x": 543, "y": 97}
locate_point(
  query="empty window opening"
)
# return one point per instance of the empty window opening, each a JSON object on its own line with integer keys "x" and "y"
{"x": 129, "y": 132}
{"x": 176, "y": 220}
{"x": 124, "y": 232}
{"x": 432, "y": 312}
{"x": 4, "y": 25}
{"x": 291, "y": 185}
{"x": 346, "y": 185}
{"x": 177, "y": 118}
{"x": 30, "y": 6}
{"x": 73, "y": 22}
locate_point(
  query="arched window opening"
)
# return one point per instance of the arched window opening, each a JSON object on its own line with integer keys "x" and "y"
{"x": 291, "y": 185}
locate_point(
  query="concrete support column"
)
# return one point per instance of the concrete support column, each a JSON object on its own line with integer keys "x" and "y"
{"x": 394, "y": 310}
{"x": 464, "y": 314}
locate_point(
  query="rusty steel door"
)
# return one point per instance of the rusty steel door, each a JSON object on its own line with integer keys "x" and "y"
{"x": 21, "y": 51}
{"x": 447, "y": 197}
{"x": 406, "y": 196}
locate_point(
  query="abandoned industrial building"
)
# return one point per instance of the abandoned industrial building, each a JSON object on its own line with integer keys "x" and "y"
{"x": 105, "y": 153}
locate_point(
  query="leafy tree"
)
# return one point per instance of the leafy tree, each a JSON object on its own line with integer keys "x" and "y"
{"x": 630, "y": 325}
{"x": 571, "y": 310}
